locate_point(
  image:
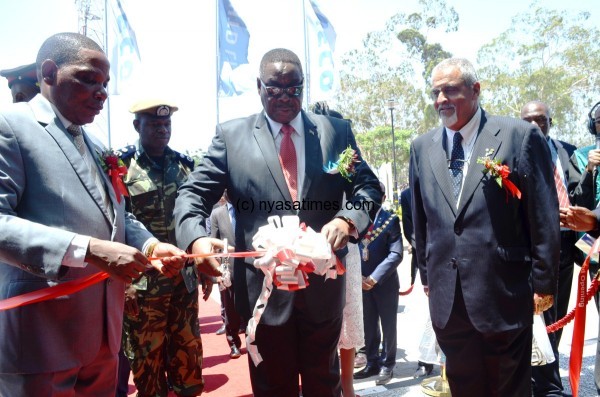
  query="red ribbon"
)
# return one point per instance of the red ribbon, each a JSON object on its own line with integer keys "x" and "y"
{"x": 66, "y": 288}
{"x": 510, "y": 187}
{"x": 116, "y": 177}
{"x": 70, "y": 287}
{"x": 579, "y": 325}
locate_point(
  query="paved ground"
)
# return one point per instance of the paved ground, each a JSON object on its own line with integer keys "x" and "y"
{"x": 411, "y": 319}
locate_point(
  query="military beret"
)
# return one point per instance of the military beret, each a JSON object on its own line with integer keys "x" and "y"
{"x": 22, "y": 73}
{"x": 155, "y": 107}
{"x": 127, "y": 151}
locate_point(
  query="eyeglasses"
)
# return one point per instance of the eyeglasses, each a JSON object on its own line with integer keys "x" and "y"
{"x": 450, "y": 91}
{"x": 276, "y": 92}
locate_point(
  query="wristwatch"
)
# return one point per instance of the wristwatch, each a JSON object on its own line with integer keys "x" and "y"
{"x": 348, "y": 221}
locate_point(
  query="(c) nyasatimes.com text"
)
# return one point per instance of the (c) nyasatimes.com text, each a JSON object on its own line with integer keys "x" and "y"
{"x": 301, "y": 205}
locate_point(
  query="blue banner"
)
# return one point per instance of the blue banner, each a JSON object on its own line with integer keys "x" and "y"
{"x": 232, "y": 46}
{"x": 124, "y": 54}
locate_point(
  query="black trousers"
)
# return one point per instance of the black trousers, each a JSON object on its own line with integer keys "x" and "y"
{"x": 484, "y": 364}
{"x": 232, "y": 318}
{"x": 299, "y": 347}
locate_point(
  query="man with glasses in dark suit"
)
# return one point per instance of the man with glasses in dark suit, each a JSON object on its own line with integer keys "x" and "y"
{"x": 277, "y": 156}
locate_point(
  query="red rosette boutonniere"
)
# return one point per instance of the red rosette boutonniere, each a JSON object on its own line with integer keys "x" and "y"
{"x": 345, "y": 165}
{"x": 499, "y": 172}
{"x": 116, "y": 170}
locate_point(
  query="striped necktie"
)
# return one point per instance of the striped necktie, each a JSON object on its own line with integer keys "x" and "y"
{"x": 88, "y": 159}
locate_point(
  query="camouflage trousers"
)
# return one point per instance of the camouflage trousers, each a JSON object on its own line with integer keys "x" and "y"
{"x": 164, "y": 339}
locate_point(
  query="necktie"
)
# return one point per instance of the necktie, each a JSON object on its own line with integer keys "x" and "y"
{"x": 232, "y": 217}
{"x": 77, "y": 133}
{"x": 287, "y": 158}
{"x": 457, "y": 163}
{"x": 563, "y": 198}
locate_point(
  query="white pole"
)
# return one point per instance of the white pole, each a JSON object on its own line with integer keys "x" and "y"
{"x": 218, "y": 58}
{"x": 306, "y": 60}
{"x": 106, "y": 50}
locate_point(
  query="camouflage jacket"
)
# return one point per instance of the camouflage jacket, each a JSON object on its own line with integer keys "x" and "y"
{"x": 153, "y": 189}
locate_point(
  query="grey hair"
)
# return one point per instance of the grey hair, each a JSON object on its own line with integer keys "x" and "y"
{"x": 467, "y": 70}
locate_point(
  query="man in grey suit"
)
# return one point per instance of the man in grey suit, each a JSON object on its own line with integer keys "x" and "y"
{"x": 299, "y": 331}
{"x": 62, "y": 221}
{"x": 222, "y": 220}
{"x": 487, "y": 256}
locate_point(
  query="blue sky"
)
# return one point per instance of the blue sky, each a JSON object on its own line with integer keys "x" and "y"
{"x": 176, "y": 40}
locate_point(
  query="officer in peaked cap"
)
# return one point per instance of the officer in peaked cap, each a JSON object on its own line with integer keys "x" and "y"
{"x": 22, "y": 82}
{"x": 167, "y": 308}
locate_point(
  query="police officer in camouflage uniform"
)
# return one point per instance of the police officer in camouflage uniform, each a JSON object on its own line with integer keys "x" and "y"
{"x": 161, "y": 331}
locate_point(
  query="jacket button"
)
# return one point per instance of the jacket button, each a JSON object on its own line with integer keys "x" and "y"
{"x": 457, "y": 230}
{"x": 454, "y": 264}
{"x": 108, "y": 281}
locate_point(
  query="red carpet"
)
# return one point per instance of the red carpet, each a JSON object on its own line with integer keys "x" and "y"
{"x": 223, "y": 377}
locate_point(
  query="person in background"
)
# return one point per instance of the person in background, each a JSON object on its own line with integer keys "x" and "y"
{"x": 277, "y": 156}
{"x": 22, "y": 82}
{"x": 546, "y": 378}
{"x": 352, "y": 336}
{"x": 585, "y": 195}
{"x": 222, "y": 221}
{"x": 161, "y": 327}
{"x": 488, "y": 255}
{"x": 381, "y": 252}
{"x": 63, "y": 221}
{"x": 221, "y": 329}
{"x": 423, "y": 368}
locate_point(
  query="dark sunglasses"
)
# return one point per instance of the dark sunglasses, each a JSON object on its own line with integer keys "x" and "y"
{"x": 276, "y": 92}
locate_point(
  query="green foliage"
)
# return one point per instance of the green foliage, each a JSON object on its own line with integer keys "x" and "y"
{"x": 377, "y": 149}
{"x": 393, "y": 64}
{"x": 547, "y": 55}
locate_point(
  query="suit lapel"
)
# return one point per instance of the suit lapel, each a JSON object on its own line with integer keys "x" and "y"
{"x": 45, "y": 115}
{"x": 438, "y": 160}
{"x": 96, "y": 150}
{"x": 313, "y": 156}
{"x": 266, "y": 144}
{"x": 563, "y": 156}
{"x": 485, "y": 140}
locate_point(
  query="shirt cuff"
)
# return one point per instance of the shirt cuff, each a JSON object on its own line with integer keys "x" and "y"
{"x": 148, "y": 243}
{"x": 75, "y": 255}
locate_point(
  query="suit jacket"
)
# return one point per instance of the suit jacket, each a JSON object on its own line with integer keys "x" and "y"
{"x": 46, "y": 197}
{"x": 502, "y": 248}
{"x": 407, "y": 223}
{"x": 385, "y": 253}
{"x": 243, "y": 159}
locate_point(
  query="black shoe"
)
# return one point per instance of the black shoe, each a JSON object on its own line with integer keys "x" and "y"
{"x": 360, "y": 360}
{"x": 366, "y": 372}
{"x": 221, "y": 330}
{"x": 423, "y": 370}
{"x": 235, "y": 352}
{"x": 385, "y": 375}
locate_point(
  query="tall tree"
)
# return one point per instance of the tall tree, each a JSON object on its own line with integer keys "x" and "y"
{"x": 547, "y": 55}
{"x": 393, "y": 64}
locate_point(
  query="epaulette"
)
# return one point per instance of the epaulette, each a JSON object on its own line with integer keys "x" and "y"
{"x": 127, "y": 152}
{"x": 185, "y": 160}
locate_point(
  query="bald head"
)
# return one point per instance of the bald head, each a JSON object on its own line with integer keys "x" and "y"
{"x": 537, "y": 112}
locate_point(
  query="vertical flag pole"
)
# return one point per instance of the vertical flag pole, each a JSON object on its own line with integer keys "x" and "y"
{"x": 306, "y": 60}
{"x": 218, "y": 79}
{"x": 107, "y": 49}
